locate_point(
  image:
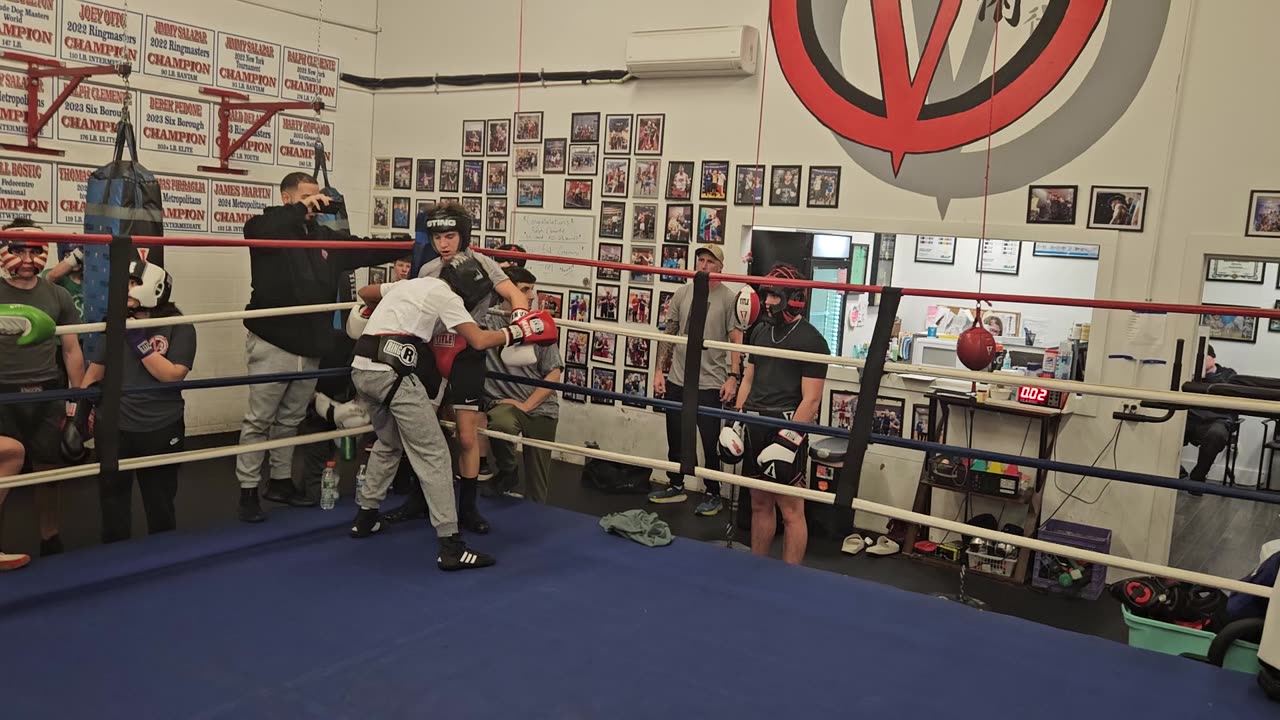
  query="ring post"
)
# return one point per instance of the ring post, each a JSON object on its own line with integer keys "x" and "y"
{"x": 692, "y": 372}
{"x": 849, "y": 478}
{"x": 107, "y": 413}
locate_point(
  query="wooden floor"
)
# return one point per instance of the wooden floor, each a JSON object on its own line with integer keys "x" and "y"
{"x": 1221, "y": 536}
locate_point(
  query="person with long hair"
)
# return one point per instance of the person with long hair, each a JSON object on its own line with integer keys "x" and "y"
{"x": 151, "y": 423}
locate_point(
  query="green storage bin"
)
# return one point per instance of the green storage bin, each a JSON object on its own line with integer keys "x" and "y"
{"x": 1176, "y": 640}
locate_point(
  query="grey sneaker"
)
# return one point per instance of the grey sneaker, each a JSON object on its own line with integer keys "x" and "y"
{"x": 709, "y": 507}
{"x": 668, "y": 494}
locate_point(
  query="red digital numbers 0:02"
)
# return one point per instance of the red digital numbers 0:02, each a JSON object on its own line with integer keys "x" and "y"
{"x": 1032, "y": 394}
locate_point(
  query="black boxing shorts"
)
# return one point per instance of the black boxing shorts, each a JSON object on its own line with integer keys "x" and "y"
{"x": 466, "y": 381}
{"x": 37, "y": 425}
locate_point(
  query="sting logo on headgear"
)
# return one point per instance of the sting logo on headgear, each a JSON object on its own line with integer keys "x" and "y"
{"x": 450, "y": 218}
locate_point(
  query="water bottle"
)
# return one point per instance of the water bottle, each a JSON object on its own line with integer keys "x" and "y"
{"x": 359, "y": 481}
{"x": 329, "y": 487}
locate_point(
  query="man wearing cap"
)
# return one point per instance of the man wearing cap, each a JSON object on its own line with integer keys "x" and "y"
{"x": 718, "y": 375}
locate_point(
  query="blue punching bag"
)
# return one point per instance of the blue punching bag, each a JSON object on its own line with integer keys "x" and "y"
{"x": 423, "y": 251}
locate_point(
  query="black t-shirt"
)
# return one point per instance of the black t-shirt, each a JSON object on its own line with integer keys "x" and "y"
{"x": 776, "y": 384}
{"x": 145, "y": 412}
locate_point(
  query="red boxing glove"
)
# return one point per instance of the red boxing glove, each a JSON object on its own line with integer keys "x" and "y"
{"x": 537, "y": 327}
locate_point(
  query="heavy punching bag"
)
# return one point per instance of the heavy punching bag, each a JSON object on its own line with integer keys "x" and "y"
{"x": 122, "y": 198}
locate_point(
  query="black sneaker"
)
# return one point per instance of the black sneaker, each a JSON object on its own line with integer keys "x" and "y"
{"x": 455, "y": 555}
{"x": 414, "y": 508}
{"x": 279, "y": 491}
{"x": 471, "y": 520}
{"x": 301, "y": 500}
{"x": 367, "y": 522}
{"x": 250, "y": 510}
{"x": 52, "y": 546}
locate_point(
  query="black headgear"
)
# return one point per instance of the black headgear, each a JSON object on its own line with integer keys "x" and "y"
{"x": 446, "y": 217}
{"x": 468, "y": 279}
{"x": 794, "y": 299}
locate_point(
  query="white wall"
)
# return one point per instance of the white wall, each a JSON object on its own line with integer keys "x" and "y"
{"x": 213, "y": 280}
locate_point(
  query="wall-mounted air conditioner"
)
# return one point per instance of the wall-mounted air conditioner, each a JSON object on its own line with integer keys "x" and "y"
{"x": 693, "y": 52}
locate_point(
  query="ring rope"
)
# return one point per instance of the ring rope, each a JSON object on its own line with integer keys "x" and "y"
{"x": 81, "y": 328}
{"x": 197, "y": 384}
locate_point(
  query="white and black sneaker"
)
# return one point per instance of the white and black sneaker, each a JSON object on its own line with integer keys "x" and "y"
{"x": 455, "y": 555}
{"x": 367, "y": 522}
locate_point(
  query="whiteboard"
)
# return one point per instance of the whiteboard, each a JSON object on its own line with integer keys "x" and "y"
{"x": 562, "y": 235}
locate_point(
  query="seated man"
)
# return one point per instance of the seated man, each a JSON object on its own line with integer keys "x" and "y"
{"x": 517, "y": 409}
{"x": 1209, "y": 430}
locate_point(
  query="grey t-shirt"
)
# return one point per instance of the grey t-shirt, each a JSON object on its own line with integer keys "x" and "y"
{"x": 38, "y": 363}
{"x": 548, "y": 360}
{"x": 496, "y": 276}
{"x": 721, "y": 318}
{"x": 145, "y": 412}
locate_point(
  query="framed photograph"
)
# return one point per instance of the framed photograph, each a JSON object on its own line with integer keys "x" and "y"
{"x": 584, "y": 159}
{"x": 613, "y": 220}
{"x": 637, "y": 353}
{"x": 644, "y": 219}
{"x": 474, "y": 207}
{"x": 1117, "y": 208}
{"x": 472, "y": 138}
{"x": 664, "y": 308}
{"x": 841, "y": 407}
{"x": 377, "y": 275}
{"x": 450, "y": 199}
{"x": 497, "y": 178}
{"x": 1065, "y": 250}
{"x": 1002, "y": 323}
{"x": 641, "y": 255}
{"x": 636, "y": 384}
{"x": 617, "y": 134}
{"x": 529, "y": 192}
{"x": 1274, "y": 325}
{"x": 920, "y": 422}
{"x": 607, "y": 302}
{"x": 473, "y": 176}
{"x": 748, "y": 185}
{"x": 679, "y": 180}
{"x": 609, "y": 252}
{"x": 890, "y": 416}
{"x": 584, "y": 127}
{"x": 1000, "y": 257}
{"x": 381, "y": 212}
{"x": 617, "y": 173}
{"x": 552, "y": 302}
{"x": 529, "y": 127}
{"x": 679, "y": 224}
{"x": 1239, "y": 271}
{"x": 579, "y": 306}
{"x": 400, "y": 213}
{"x": 575, "y": 376}
{"x": 576, "y": 343}
{"x": 499, "y": 137}
{"x": 382, "y": 174}
{"x": 674, "y": 257}
{"x": 1051, "y": 204}
{"x": 935, "y": 249}
{"x": 603, "y": 379}
{"x": 1264, "y": 214}
{"x": 450, "y": 170}
{"x": 493, "y": 242}
{"x": 527, "y": 161}
{"x": 649, "y": 133}
{"x": 639, "y": 305}
{"x": 824, "y": 187}
{"x": 403, "y": 178}
{"x": 647, "y": 178}
{"x": 495, "y": 219}
{"x": 715, "y": 180}
{"x": 784, "y": 185}
{"x": 604, "y": 346}
{"x": 577, "y": 194}
{"x": 423, "y": 206}
{"x": 712, "y": 224}
{"x": 554, "y": 152}
{"x": 1231, "y": 328}
{"x": 426, "y": 176}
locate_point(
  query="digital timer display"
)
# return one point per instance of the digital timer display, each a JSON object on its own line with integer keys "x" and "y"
{"x": 1031, "y": 395}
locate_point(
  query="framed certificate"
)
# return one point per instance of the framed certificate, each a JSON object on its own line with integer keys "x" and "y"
{"x": 935, "y": 249}
{"x": 1001, "y": 257}
{"x": 1240, "y": 271}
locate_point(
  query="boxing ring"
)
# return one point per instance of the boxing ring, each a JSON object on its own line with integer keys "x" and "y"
{"x": 293, "y": 619}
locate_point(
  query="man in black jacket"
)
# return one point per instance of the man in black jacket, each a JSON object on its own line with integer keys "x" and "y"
{"x": 1209, "y": 430}
{"x": 285, "y": 278}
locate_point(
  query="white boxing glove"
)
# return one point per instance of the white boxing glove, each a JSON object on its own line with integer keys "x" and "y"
{"x": 357, "y": 320}
{"x": 778, "y": 459}
{"x": 731, "y": 446}
{"x": 345, "y": 415}
{"x": 75, "y": 259}
{"x": 516, "y": 356}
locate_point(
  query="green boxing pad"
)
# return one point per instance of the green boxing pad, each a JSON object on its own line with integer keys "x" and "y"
{"x": 33, "y": 324}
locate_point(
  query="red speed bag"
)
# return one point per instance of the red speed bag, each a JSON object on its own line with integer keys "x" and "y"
{"x": 976, "y": 348}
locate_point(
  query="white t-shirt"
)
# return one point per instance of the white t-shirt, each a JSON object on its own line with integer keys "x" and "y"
{"x": 495, "y": 272}
{"x": 422, "y": 307}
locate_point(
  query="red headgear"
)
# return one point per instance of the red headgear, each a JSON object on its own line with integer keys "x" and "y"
{"x": 794, "y": 299}
{"x": 11, "y": 260}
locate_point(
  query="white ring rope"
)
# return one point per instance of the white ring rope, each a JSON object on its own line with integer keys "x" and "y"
{"x": 208, "y": 317}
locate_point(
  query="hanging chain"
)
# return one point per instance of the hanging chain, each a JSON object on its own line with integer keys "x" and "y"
{"x": 319, "y": 30}
{"x": 128, "y": 90}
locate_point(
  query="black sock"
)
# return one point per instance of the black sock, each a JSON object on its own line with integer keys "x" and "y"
{"x": 467, "y": 493}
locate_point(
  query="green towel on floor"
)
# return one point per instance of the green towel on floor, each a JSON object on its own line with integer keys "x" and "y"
{"x": 643, "y": 527}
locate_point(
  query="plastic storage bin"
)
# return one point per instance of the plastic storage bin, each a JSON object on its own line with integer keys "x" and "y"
{"x": 1044, "y": 574}
{"x": 1176, "y": 640}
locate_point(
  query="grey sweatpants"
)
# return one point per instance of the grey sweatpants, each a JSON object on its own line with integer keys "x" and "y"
{"x": 407, "y": 426}
{"x": 275, "y": 410}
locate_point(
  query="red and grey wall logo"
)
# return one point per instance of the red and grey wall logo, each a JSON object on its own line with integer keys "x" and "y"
{"x": 912, "y": 128}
